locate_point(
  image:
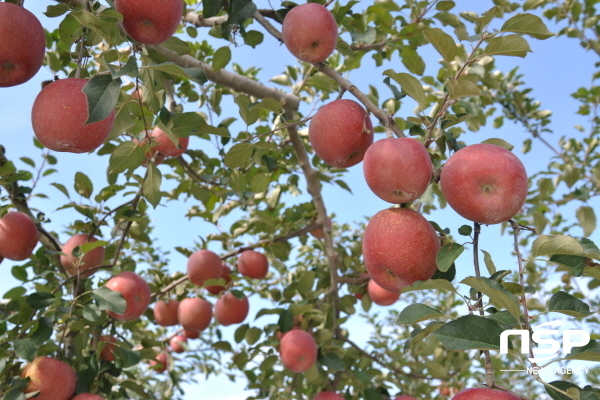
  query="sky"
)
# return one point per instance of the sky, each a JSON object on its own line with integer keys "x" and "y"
{"x": 555, "y": 69}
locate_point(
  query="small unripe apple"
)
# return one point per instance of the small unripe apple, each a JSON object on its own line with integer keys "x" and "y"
{"x": 177, "y": 342}
{"x": 165, "y": 313}
{"x": 150, "y": 22}
{"x": 194, "y": 314}
{"x": 160, "y": 363}
{"x": 253, "y": 264}
{"x": 484, "y": 183}
{"x": 399, "y": 248}
{"x": 225, "y": 274}
{"x": 230, "y": 310}
{"x": 381, "y": 296}
{"x": 397, "y": 170}
{"x": 298, "y": 350}
{"x": 134, "y": 290}
{"x": 44, "y": 374}
{"x": 484, "y": 394}
{"x": 88, "y": 396}
{"x": 18, "y": 236}
{"x": 310, "y": 32}
{"x": 22, "y": 45}
{"x": 328, "y": 396}
{"x": 165, "y": 146}
{"x": 202, "y": 266}
{"x": 59, "y": 114}
{"x": 91, "y": 259}
{"x": 340, "y": 133}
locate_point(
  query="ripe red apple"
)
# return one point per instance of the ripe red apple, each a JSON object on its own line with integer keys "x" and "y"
{"x": 191, "y": 334}
{"x": 108, "y": 351}
{"x": 310, "y": 32}
{"x": 160, "y": 363}
{"x": 328, "y": 396}
{"x": 91, "y": 259}
{"x": 341, "y": 132}
{"x": 136, "y": 292}
{"x": 230, "y": 310}
{"x": 397, "y": 170}
{"x": 405, "y": 397}
{"x": 59, "y": 114}
{"x": 399, "y": 248}
{"x": 22, "y": 45}
{"x": 202, "y": 266}
{"x": 18, "y": 235}
{"x": 150, "y": 22}
{"x": 88, "y": 396}
{"x": 381, "y": 296}
{"x": 253, "y": 264}
{"x": 165, "y": 313}
{"x": 165, "y": 146}
{"x": 194, "y": 314}
{"x": 225, "y": 274}
{"x": 318, "y": 233}
{"x": 484, "y": 394}
{"x": 298, "y": 350}
{"x": 177, "y": 342}
{"x": 484, "y": 183}
{"x": 44, "y": 373}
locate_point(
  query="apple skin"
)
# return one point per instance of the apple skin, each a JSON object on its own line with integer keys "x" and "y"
{"x": 136, "y": 292}
{"x": 318, "y": 233}
{"x": 91, "y": 259}
{"x": 44, "y": 373}
{"x": 225, "y": 274}
{"x": 397, "y": 170}
{"x": 108, "y": 351}
{"x": 22, "y": 45}
{"x": 18, "y": 235}
{"x": 88, "y": 396}
{"x": 253, "y": 264}
{"x": 191, "y": 334}
{"x": 328, "y": 396}
{"x": 399, "y": 248}
{"x": 298, "y": 350}
{"x": 59, "y": 114}
{"x": 176, "y": 343}
{"x": 165, "y": 146}
{"x": 202, "y": 266}
{"x": 194, "y": 314}
{"x": 484, "y": 183}
{"x": 165, "y": 313}
{"x": 160, "y": 363}
{"x": 150, "y": 22}
{"x": 484, "y": 394}
{"x": 230, "y": 310}
{"x": 309, "y": 32}
{"x": 340, "y": 133}
{"x": 380, "y": 296}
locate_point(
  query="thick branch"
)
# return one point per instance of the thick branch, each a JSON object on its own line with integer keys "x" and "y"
{"x": 192, "y": 17}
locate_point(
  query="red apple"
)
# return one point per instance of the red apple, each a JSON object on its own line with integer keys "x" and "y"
{"x": 91, "y": 259}
{"x": 165, "y": 313}
{"x": 177, "y": 342}
{"x": 59, "y": 114}
{"x": 225, "y": 274}
{"x": 22, "y": 45}
{"x": 381, "y": 296}
{"x": 160, "y": 363}
{"x": 194, "y": 314}
{"x": 328, "y": 396}
{"x": 318, "y": 233}
{"x": 44, "y": 374}
{"x": 108, "y": 351}
{"x": 310, "y": 32}
{"x": 253, "y": 264}
{"x": 136, "y": 292}
{"x": 484, "y": 394}
{"x": 230, "y": 310}
{"x": 150, "y": 22}
{"x": 399, "y": 248}
{"x": 405, "y": 397}
{"x": 151, "y": 153}
{"x": 484, "y": 183}
{"x": 298, "y": 350}
{"x": 202, "y": 266}
{"x": 340, "y": 133}
{"x": 18, "y": 235}
{"x": 191, "y": 334}
{"x": 165, "y": 146}
{"x": 88, "y": 396}
{"x": 397, "y": 170}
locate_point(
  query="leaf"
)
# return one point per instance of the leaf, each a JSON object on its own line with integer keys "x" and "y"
{"x": 527, "y": 24}
{"x": 563, "y": 386}
{"x": 509, "y": 45}
{"x": 409, "y": 84}
{"x": 458, "y": 88}
{"x": 7, "y": 168}
{"x": 108, "y": 30}
{"x": 589, "y": 352}
{"x": 212, "y": 7}
{"x": 238, "y": 155}
{"x": 125, "y": 358}
{"x": 269, "y": 103}
{"x": 547, "y": 245}
{"x": 447, "y": 254}
{"x": 239, "y": 11}
{"x": 418, "y": 335}
{"x": 500, "y": 142}
{"x": 126, "y": 156}
{"x": 587, "y": 219}
{"x": 195, "y": 74}
{"x": 394, "y": 89}
{"x": 187, "y": 123}
{"x": 412, "y": 60}
{"x": 575, "y": 263}
{"x": 248, "y": 114}
{"x": 221, "y": 58}
{"x": 442, "y": 42}
{"x": 253, "y": 38}
{"x": 25, "y": 348}
{"x": 565, "y": 303}
{"x": 438, "y": 284}
{"x": 415, "y": 313}
{"x": 102, "y": 93}
{"x": 496, "y": 293}
{"x": 505, "y": 319}
{"x": 252, "y": 335}
{"x": 470, "y": 332}
{"x": 130, "y": 68}
{"x": 177, "y": 45}
{"x": 306, "y": 283}
{"x": 83, "y": 185}
{"x": 286, "y": 320}
{"x": 487, "y": 258}
{"x": 39, "y": 300}
{"x": 56, "y": 10}
{"x": 332, "y": 361}
{"x": 368, "y": 37}
{"x": 151, "y": 188}
{"x": 111, "y": 300}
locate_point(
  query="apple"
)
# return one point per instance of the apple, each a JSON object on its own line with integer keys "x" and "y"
{"x": 108, "y": 351}
{"x": 18, "y": 235}
{"x": 150, "y": 22}
{"x": 160, "y": 363}
{"x": 484, "y": 183}
{"x": 484, "y": 394}
{"x": 397, "y": 170}
{"x": 225, "y": 274}
{"x": 44, "y": 373}
{"x": 328, "y": 396}
{"x": 253, "y": 264}
{"x": 230, "y": 310}
{"x": 202, "y": 266}
{"x": 194, "y": 314}
{"x": 381, "y": 296}
{"x": 136, "y": 292}
{"x": 91, "y": 259}
{"x": 309, "y": 32}
{"x": 88, "y": 396}
{"x": 22, "y": 45}
{"x": 177, "y": 342}
{"x": 318, "y": 233}
{"x": 298, "y": 350}
{"x": 341, "y": 132}
{"x": 165, "y": 145}
{"x": 165, "y": 312}
{"x": 191, "y": 334}
{"x": 399, "y": 248}
{"x": 59, "y": 114}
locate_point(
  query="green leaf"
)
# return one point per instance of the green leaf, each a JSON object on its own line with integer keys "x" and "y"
{"x": 418, "y": 335}
{"x": 39, "y": 300}
{"x": 130, "y": 68}
{"x": 253, "y": 38}
{"x": 445, "y": 5}
{"x": 332, "y": 361}
{"x": 415, "y": 313}
{"x": 510, "y": 45}
{"x": 83, "y": 185}
{"x": 56, "y": 10}
{"x": 7, "y": 168}
{"x": 442, "y": 42}
{"x": 306, "y": 283}
{"x": 496, "y": 293}
{"x": 186, "y": 124}
{"x": 547, "y": 245}
{"x": 447, "y": 254}
{"x": 587, "y": 219}
{"x": 212, "y": 7}
{"x": 458, "y": 88}
{"x": 177, "y": 45}
{"x": 485, "y": 18}
{"x": 412, "y": 60}
{"x": 102, "y": 93}
{"x": 575, "y": 263}
{"x": 563, "y": 386}
{"x": 125, "y": 358}
{"x": 151, "y": 188}
{"x": 239, "y": 11}
{"x": 394, "y": 89}
{"x": 91, "y": 312}
{"x": 527, "y": 24}
{"x": 409, "y": 84}
{"x": 107, "y": 299}
{"x": 286, "y": 320}
{"x": 470, "y": 332}
{"x": 252, "y": 335}
{"x": 589, "y": 352}
{"x": 108, "y": 30}
{"x": 221, "y": 58}
{"x": 126, "y": 156}
{"x": 238, "y": 155}
{"x": 247, "y": 112}
{"x": 269, "y": 103}
{"x": 43, "y": 332}
{"x": 500, "y": 142}
{"x": 505, "y": 319}
{"x": 195, "y": 74}
{"x": 25, "y": 348}
{"x": 487, "y": 258}
{"x": 565, "y": 303}
{"x": 437, "y": 284}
